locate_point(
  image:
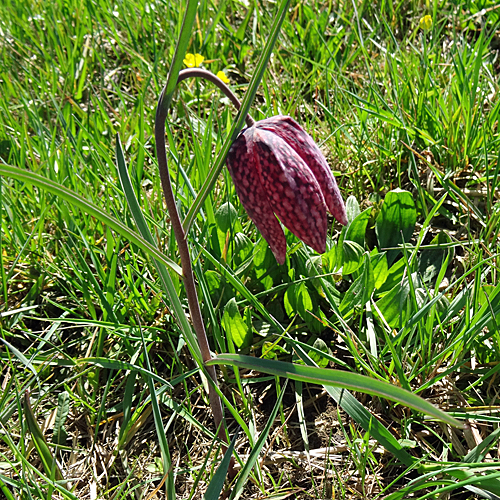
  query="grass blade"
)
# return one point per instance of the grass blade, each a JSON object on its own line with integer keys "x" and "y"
{"x": 49, "y": 462}
{"x": 88, "y": 207}
{"x": 160, "y": 432}
{"x": 336, "y": 378}
{"x": 240, "y": 118}
{"x": 218, "y": 479}
{"x": 180, "y": 51}
{"x": 254, "y": 455}
{"x": 167, "y": 282}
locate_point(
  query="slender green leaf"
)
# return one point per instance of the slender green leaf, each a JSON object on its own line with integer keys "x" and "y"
{"x": 217, "y": 483}
{"x": 114, "y": 364}
{"x": 254, "y": 454}
{"x": 160, "y": 431}
{"x": 21, "y": 357}
{"x": 49, "y": 462}
{"x": 88, "y": 207}
{"x": 337, "y": 378}
{"x": 240, "y": 118}
{"x": 180, "y": 51}
{"x": 166, "y": 279}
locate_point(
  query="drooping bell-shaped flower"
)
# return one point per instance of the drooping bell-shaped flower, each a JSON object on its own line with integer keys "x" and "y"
{"x": 278, "y": 170}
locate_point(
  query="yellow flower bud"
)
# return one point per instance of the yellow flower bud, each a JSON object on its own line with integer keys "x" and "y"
{"x": 223, "y": 76}
{"x": 426, "y": 23}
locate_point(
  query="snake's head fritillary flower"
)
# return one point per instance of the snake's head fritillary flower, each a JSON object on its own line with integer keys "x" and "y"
{"x": 278, "y": 170}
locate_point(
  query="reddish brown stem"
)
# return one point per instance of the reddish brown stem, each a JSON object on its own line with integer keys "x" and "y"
{"x": 180, "y": 236}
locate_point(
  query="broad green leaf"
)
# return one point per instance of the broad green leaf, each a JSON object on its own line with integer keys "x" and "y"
{"x": 226, "y": 218}
{"x": 396, "y": 307}
{"x": 304, "y": 302}
{"x": 321, "y": 361}
{"x": 380, "y": 271}
{"x": 431, "y": 259}
{"x": 336, "y": 378}
{"x": 271, "y": 350}
{"x": 290, "y": 300}
{"x": 243, "y": 246}
{"x": 352, "y": 208}
{"x": 59, "y": 436}
{"x": 357, "y": 228}
{"x": 263, "y": 263}
{"x": 218, "y": 288}
{"x": 331, "y": 258}
{"x": 352, "y": 256}
{"x": 360, "y": 291}
{"x": 217, "y": 240}
{"x": 393, "y": 276}
{"x": 235, "y": 326}
{"x": 396, "y": 221}
{"x": 300, "y": 295}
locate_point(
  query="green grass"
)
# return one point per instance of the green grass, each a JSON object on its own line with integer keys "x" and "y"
{"x": 92, "y": 316}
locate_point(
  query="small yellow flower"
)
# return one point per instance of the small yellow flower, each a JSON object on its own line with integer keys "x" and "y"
{"x": 223, "y": 76}
{"x": 193, "y": 60}
{"x": 426, "y": 23}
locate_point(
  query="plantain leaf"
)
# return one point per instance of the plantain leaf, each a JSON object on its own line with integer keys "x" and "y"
{"x": 60, "y": 434}
{"x": 352, "y": 256}
{"x": 235, "y": 326}
{"x": 396, "y": 221}
{"x": 357, "y": 228}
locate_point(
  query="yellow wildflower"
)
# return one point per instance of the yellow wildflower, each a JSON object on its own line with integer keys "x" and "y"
{"x": 193, "y": 60}
{"x": 223, "y": 76}
{"x": 426, "y": 23}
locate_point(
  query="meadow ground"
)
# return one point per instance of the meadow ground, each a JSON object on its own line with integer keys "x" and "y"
{"x": 403, "y": 99}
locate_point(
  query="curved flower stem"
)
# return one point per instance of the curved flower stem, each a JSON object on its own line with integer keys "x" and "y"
{"x": 207, "y": 75}
{"x": 180, "y": 236}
